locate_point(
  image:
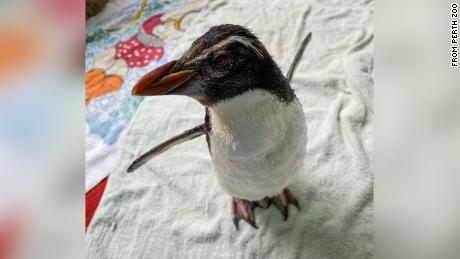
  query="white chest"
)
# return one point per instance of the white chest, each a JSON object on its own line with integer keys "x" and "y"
{"x": 257, "y": 144}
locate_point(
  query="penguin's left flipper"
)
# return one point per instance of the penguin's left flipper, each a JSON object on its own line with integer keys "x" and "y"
{"x": 184, "y": 136}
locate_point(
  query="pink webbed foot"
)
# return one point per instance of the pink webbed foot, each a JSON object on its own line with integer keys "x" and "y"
{"x": 282, "y": 202}
{"x": 243, "y": 209}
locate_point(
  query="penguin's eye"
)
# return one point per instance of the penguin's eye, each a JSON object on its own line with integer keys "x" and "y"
{"x": 220, "y": 61}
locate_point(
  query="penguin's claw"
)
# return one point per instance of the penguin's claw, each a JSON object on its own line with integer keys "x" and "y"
{"x": 282, "y": 202}
{"x": 235, "y": 222}
{"x": 290, "y": 198}
{"x": 243, "y": 209}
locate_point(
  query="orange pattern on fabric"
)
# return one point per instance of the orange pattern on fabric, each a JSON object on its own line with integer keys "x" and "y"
{"x": 99, "y": 84}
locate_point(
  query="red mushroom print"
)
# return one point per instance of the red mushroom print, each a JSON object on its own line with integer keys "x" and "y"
{"x": 143, "y": 47}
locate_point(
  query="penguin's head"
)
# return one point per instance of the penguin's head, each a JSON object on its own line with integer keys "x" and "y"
{"x": 225, "y": 62}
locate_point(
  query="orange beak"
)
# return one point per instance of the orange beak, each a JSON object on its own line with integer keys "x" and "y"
{"x": 159, "y": 81}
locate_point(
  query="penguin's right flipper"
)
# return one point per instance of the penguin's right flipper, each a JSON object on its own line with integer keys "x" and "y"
{"x": 186, "y": 135}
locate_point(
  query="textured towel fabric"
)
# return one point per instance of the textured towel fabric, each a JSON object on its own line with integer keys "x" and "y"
{"x": 173, "y": 207}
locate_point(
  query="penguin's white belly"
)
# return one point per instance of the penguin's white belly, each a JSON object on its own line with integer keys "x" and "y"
{"x": 257, "y": 151}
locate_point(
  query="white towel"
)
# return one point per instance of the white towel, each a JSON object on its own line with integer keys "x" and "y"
{"x": 173, "y": 207}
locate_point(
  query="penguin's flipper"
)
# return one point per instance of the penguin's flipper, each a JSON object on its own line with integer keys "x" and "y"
{"x": 297, "y": 57}
{"x": 186, "y": 135}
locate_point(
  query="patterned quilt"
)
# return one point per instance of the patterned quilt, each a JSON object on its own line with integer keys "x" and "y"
{"x": 120, "y": 48}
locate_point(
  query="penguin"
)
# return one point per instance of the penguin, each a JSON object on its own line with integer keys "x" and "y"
{"x": 254, "y": 124}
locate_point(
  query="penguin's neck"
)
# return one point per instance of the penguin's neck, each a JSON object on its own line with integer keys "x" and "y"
{"x": 250, "y": 102}
{"x": 254, "y": 110}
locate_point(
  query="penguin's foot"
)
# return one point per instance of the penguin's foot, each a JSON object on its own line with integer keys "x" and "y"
{"x": 282, "y": 202}
{"x": 243, "y": 209}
